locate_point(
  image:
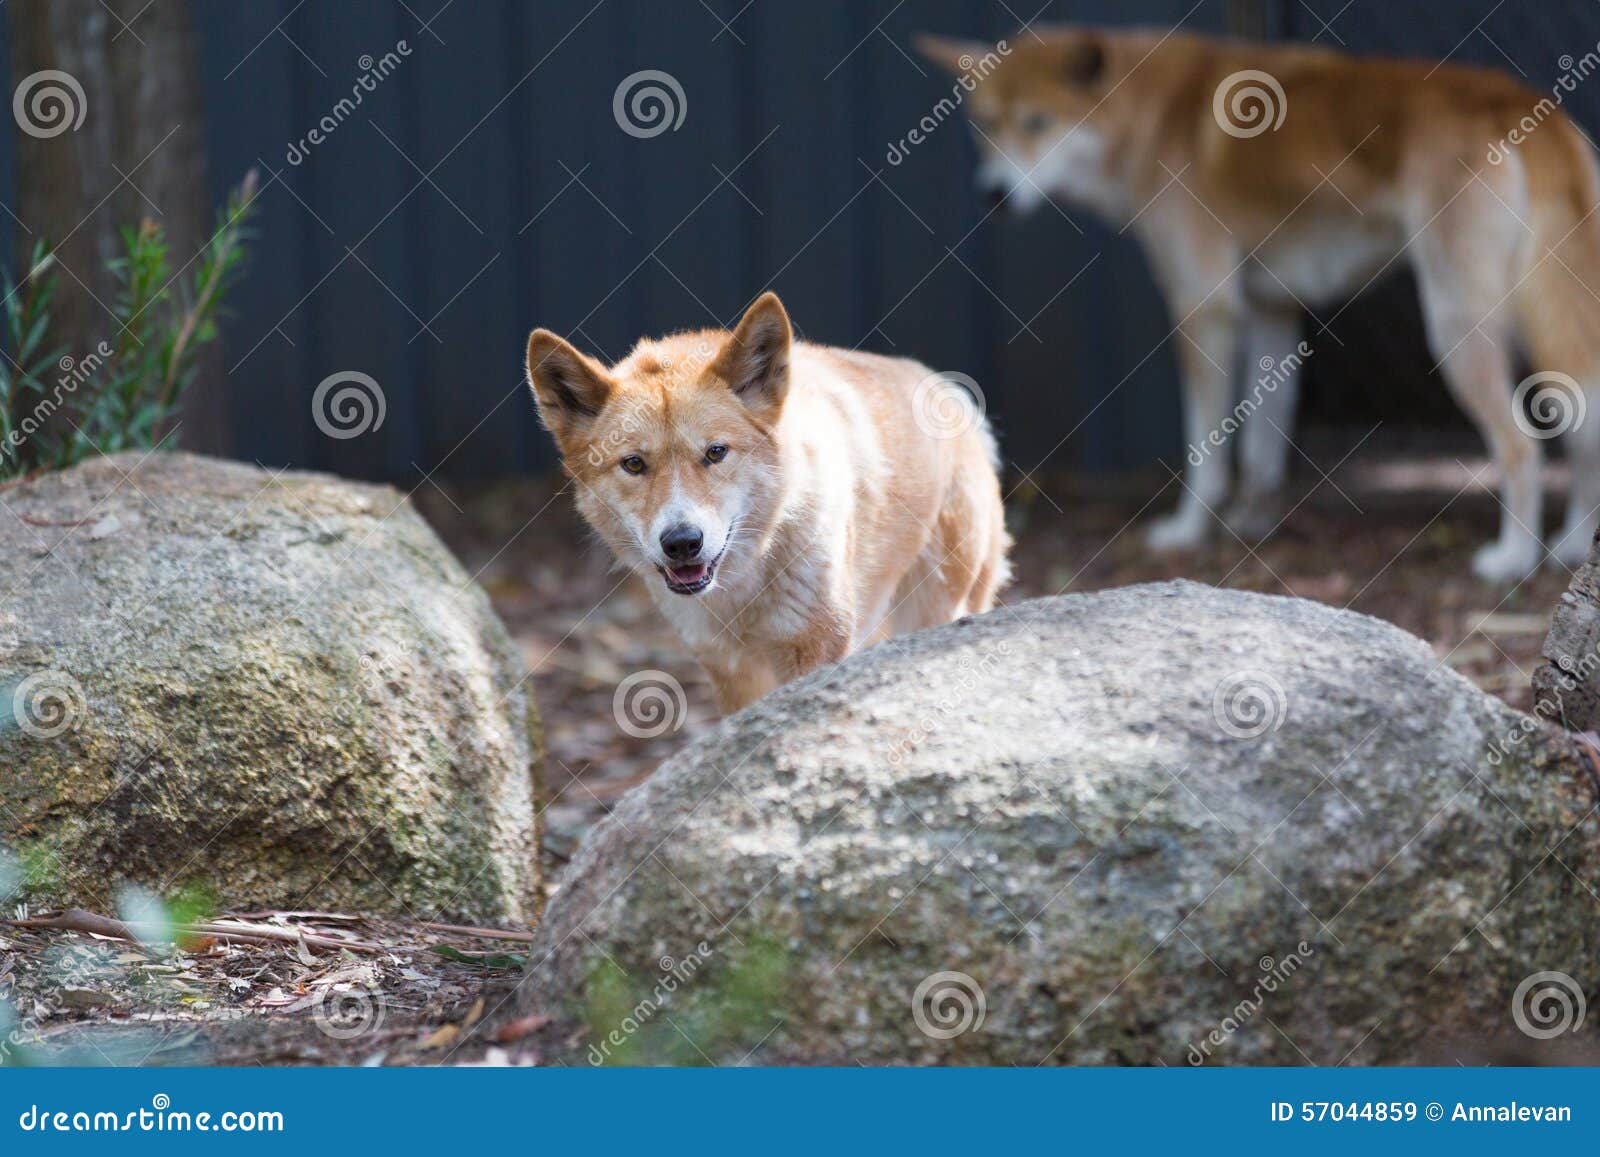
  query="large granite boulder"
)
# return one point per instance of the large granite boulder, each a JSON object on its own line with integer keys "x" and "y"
{"x": 1160, "y": 825}
{"x": 277, "y": 687}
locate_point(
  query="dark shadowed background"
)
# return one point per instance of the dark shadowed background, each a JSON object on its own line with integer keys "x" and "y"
{"x": 484, "y": 186}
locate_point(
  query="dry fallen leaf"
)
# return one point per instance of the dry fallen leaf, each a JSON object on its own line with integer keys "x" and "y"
{"x": 440, "y": 1037}
{"x": 517, "y": 1029}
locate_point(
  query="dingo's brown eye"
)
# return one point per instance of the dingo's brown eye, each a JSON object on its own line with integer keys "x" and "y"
{"x": 716, "y": 452}
{"x": 1035, "y": 123}
{"x": 633, "y": 464}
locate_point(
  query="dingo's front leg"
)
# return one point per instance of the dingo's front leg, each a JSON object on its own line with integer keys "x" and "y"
{"x": 1265, "y": 407}
{"x": 739, "y": 680}
{"x": 1205, "y": 355}
{"x": 826, "y": 640}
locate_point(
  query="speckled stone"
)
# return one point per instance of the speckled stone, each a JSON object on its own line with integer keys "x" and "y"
{"x": 1159, "y": 825}
{"x": 281, "y": 688}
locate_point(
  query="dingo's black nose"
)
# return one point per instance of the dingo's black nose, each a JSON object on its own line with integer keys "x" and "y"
{"x": 993, "y": 198}
{"x": 681, "y": 543}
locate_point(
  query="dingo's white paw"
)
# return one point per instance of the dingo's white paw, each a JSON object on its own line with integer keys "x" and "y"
{"x": 1176, "y": 532}
{"x": 1503, "y": 562}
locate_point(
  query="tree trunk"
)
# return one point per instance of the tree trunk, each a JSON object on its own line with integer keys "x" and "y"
{"x": 139, "y": 152}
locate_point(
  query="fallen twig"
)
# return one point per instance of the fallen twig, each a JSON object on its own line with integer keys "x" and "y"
{"x": 318, "y": 917}
{"x": 35, "y": 520}
{"x": 77, "y": 920}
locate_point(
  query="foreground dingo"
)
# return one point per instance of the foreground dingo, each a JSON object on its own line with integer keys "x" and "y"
{"x": 1262, "y": 178}
{"x": 786, "y": 503}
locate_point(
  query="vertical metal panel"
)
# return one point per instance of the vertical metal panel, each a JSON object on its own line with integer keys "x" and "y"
{"x": 806, "y": 100}
{"x": 581, "y": 255}
{"x": 257, "y": 106}
{"x": 466, "y": 144}
{"x": 362, "y": 313}
{"x": 692, "y": 225}
{"x": 926, "y": 302}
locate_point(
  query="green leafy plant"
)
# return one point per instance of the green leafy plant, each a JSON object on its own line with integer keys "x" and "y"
{"x": 59, "y": 406}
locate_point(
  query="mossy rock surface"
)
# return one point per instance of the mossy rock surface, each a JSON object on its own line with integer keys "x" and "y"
{"x": 1159, "y": 825}
{"x": 278, "y": 688}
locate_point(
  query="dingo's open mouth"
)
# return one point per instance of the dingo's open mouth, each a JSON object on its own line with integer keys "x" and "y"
{"x": 691, "y": 579}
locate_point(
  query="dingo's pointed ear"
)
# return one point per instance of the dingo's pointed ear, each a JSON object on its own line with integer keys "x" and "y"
{"x": 755, "y": 360}
{"x": 954, "y": 56}
{"x": 569, "y": 387}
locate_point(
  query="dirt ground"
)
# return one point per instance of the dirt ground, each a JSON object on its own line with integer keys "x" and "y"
{"x": 1389, "y": 531}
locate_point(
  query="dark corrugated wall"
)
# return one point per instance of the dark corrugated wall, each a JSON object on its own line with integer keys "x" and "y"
{"x": 485, "y": 187}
